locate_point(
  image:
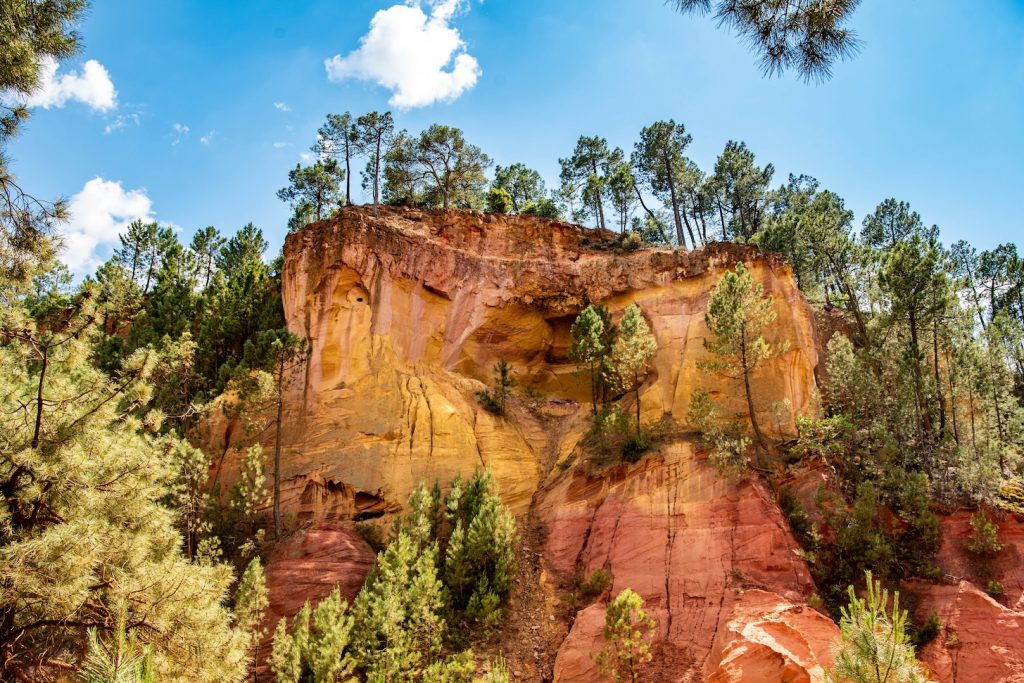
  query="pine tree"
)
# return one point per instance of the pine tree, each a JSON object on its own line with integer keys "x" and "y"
{"x": 627, "y": 633}
{"x": 631, "y": 356}
{"x": 874, "y": 646}
{"x": 593, "y": 337}
{"x": 86, "y": 533}
{"x": 251, "y": 603}
{"x": 399, "y": 627}
{"x": 737, "y": 313}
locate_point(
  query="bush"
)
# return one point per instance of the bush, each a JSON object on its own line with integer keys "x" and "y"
{"x": 984, "y": 541}
{"x": 600, "y": 580}
{"x": 928, "y": 631}
{"x": 493, "y": 400}
{"x": 729, "y": 447}
{"x": 994, "y": 588}
{"x": 498, "y": 201}
{"x": 799, "y": 521}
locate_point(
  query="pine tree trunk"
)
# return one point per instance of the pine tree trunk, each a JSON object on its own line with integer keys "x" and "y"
{"x": 39, "y": 399}
{"x": 675, "y": 204}
{"x": 761, "y": 442}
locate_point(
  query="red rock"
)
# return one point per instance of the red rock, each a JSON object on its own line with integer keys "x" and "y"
{"x": 981, "y": 640}
{"x": 308, "y": 566}
{"x": 689, "y": 543}
{"x": 769, "y": 639}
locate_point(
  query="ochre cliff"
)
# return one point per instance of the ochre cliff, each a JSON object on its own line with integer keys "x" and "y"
{"x": 407, "y": 312}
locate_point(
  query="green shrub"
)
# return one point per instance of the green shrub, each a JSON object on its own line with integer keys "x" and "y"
{"x": 599, "y": 581}
{"x": 984, "y": 541}
{"x": 372, "y": 534}
{"x": 627, "y": 635}
{"x": 927, "y": 632}
{"x": 871, "y": 640}
{"x": 493, "y": 400}
{"x": 498, "y": 201}
{"x": 994, "y": 588}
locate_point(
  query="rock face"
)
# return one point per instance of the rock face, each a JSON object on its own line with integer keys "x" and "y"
{"x": 714, "y": 561}
{"x": 407, "y": 313}
{"x": 982, "y": 638}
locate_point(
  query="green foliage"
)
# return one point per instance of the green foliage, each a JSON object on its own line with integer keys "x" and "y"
{"x": 524, "y": 188}
{"x": 543, "y": 208}
{"x": 123, "y": 659}
{"x": 375, "y": 138}
{"x": 449, "y": 559}
{"x": 806, "y": 37}
{"x": 85, "y": 533}
{"x": 627, "y": 635}
{"x": 874, "y": 646}
{"x": 314, "y": 191}
{"x": 729, "y": 449}
{"x": 479, "y": 556}
{"x": 318, "y": 648}
{"x": 737, "y": 313}
{"x": 739, "y": 190}
{"x": 251, "y": 603}
{"x": 494, "y": 399}
{"x": 596, "y": 584}
{"x": 398, "y": 618}
{"x": 984, "y": 541}
{"x": 661, "y": 165}
{"x": 499, "y": 673}
{"x": 593, "y": 336}
{"x": 437, "y": 168}
{"x": 498, "y": 201}
{"x": 631, "y": 355}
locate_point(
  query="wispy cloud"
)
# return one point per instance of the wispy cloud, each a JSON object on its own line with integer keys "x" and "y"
{"x": 281, "y": 106}
{"x": 282, "y": 145}
{"x": 92, "y": 86}
{"x": 208, "y": 138}
{"x": 120, "y": 122}
{"x": 181, "y": 132}
{"x": 420, "y": 57}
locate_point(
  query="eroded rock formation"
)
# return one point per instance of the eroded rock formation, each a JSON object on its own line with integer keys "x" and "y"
{"x": 408, "y": 311}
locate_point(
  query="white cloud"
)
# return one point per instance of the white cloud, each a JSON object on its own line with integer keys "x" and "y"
{"x": 208, "y": 138}
{"x": 281, "y": 106}
{"x": 306, "y": 157}
{"x": 181, "y": 131}
{"x": 97, "y": 215}
{"x": 421, "y": 58}
{"x": 282, "y": 145}
{"x": 92, "y": 86}
{"x": 120, "y": 122}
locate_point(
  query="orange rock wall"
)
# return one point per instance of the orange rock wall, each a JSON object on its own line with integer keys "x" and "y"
{"x": 408, "y": 311}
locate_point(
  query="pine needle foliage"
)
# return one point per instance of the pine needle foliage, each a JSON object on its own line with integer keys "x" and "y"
{"x": 874, "y": 646}
{"x": 627, "y": 633}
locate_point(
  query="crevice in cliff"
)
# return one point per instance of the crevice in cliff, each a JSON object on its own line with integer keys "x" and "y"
{"x": 476, "y": 441}
{"x": 670, "y": 533}
{"x": 586, "y": 534}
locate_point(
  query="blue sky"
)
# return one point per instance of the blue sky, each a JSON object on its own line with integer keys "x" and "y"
{"x": 931, "y": 111}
